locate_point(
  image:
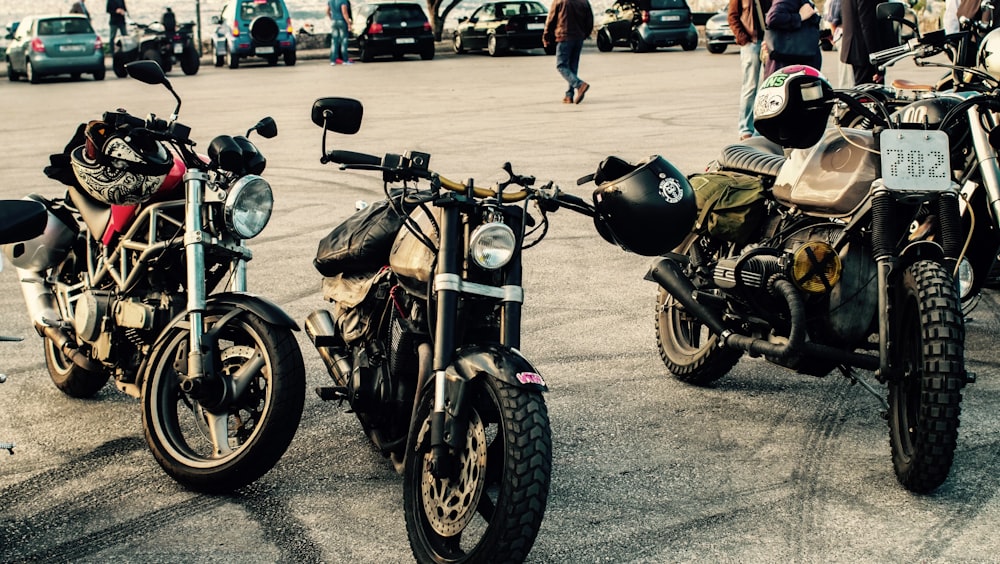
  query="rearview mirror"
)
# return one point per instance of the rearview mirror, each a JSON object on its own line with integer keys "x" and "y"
{"x": 146, "y": 71}
{"x": 890, "y": 11}
{"x": 341, "y": 115}
{"x": 266, "y": 128}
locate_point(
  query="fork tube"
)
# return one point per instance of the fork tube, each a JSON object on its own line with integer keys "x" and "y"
{"x": 510, "y": 320}
{"x": 444, "y": 331}
{"x": 987, "y": 157}
{"x": 194, "y": 182}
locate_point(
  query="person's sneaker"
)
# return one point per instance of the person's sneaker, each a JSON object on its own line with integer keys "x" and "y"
{"x": 340, "y": 61}
{"x": 567, "y": 100}
{"x": 332, "y": 63}
{"x": 348, "y": 62}
{"x": 745, "y": 136}
{"x": 580, "y": 91}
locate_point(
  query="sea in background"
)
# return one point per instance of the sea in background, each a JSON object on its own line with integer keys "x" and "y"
{"x": 310, "y": 15}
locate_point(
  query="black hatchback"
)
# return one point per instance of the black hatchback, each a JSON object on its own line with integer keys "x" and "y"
{"x": 391, "y": 28}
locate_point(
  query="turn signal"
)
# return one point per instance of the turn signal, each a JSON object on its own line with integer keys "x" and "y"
{"x": 816, "y": 267}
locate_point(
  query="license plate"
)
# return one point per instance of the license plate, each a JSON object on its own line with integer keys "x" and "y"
{"x": 71, "y": 48}
{"x": 264, "y": 50}
{"x": 536, "y": 26}
{"x": 670, "y": 18}
{"x": 915, "y": 160}
{"x": 178, "y": 48}
{"x": 405, "y": 40}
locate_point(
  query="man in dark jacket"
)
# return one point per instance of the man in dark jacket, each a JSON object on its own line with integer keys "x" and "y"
{"x": 116, "y": 21}
{"x": 861, "y": 38}
{"x": 746, "y": 20}
{"x": 568, "y": 24}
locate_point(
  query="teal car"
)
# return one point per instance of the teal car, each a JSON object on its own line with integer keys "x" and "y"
{"x": 254, "y": 28}
{"x": 41, "y": 46}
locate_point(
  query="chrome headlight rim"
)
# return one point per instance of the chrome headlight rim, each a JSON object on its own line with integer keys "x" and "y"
{"x": 248, "y": 206}
{"x": 492, "y": 245}
{"x": 966, "y": 278}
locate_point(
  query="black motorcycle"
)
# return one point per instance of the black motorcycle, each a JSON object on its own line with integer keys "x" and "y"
{"x": 422, "y": 343}
{"x": 165, "y": 45}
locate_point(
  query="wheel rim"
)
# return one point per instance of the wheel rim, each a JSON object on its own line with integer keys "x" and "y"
{"x": 29, "y": 72}
{"x": 60, "y": 363}
{"x": 491, "y": 45}
{"x": 907, "y": 397}
{"x": 450, "y": 505}
{"x": 458, "y": 43}
{"x": 194, "y": 435}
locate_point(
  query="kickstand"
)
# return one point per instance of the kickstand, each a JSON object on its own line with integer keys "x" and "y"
{"x": 856, "y": 378}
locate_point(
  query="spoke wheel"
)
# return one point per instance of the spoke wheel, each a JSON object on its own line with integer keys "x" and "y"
{"x": 491, "y": 510}
{"x": 925, "y": 398}
{"x": 220, "y": 450}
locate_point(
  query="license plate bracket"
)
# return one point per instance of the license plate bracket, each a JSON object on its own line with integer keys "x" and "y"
{"x": 915, "y": 160}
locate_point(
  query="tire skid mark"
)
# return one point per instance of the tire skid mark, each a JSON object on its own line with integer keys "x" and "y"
{"x": 276, "y": 519}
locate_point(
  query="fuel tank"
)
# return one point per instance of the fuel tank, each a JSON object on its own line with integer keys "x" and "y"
{"x": 410, "y": 259}
{"x": 831, "y": 178}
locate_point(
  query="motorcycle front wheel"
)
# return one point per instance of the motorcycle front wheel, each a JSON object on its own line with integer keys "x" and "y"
{"x": 925, "y": 397}
{"x": 224, "y": 449}
{"x": 492, "y": 509}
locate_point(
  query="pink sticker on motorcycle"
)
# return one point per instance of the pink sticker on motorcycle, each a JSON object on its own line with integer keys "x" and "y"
{"x": 530, "y": 378}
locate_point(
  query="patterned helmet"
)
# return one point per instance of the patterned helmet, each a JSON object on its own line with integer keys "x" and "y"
{"x": 120, "y": 168}
{"x": 793, "y": 106}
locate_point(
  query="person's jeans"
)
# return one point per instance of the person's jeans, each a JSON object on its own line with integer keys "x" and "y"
{"x": 568, "y": 62}
{"x": 115, "y": 30}
{"x": 750, "y": 65}
{"x": 338, "y": 41}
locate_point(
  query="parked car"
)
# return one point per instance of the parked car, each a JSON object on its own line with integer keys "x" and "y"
{"x": 50, "y": 45}
{"x": 718, "y": 36}
{"x": 254, "y": 28}
{"x": 501, "y": 26}
{"x": 391, "y": 28}
{"x": 644, "y": 25}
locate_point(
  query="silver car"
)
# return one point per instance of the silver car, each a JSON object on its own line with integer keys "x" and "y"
{"x": 50, "y": 45}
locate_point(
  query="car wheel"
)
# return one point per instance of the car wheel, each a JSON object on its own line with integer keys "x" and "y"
{"x": 637, "y": 44}
{"x": 366, "y": 52}
{"x": 289, "y": 58}
{"x": 427, "y": 54}
{"x": 12, "y": 75}
{"x": 118, "y": 66}
{"x": 691, "y": 44}
{"x": 716, "y": 49}
{"x": 29, "y": 72}
{"x": 99, "y": 73}
{"x": 491, "y": 46}
{"x": 233, "y": 60}
{"x": 604, "y": 41}
{"x": 457, "y": 44}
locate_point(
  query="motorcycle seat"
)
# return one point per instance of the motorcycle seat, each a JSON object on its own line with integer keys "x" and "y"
{"x": 756, "y": 156}
{"x": 903, "y": 84}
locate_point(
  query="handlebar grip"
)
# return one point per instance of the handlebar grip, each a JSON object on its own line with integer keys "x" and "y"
{"x": 352, "y": 158}
{"x": 575, "y": 203}
{"x": 880, "y": 57}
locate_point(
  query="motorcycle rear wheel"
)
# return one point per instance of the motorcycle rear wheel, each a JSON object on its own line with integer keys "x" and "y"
{"x": 688, "y": 349}
{"x": 190, "y": 62}
{"x": 924, "y": 402}
{"x": 492, "y": 511}
{"x": 72, "y": 380}
{"x": 221, "y": 452}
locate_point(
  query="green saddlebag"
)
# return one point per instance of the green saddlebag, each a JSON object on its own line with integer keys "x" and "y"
{"x": 731, "y": 206}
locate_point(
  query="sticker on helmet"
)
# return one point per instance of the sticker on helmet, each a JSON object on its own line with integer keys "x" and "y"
{"x": 670, "y": 189}
{"x": 530, "y": 378}
{"x": 768, "y": 103}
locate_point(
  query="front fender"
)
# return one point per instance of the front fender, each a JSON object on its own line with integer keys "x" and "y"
{"x": 497, "y": 361}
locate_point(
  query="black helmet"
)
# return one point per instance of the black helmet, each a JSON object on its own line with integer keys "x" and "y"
{"x": 792, "y": 106}
{"x": 647, "y": 208}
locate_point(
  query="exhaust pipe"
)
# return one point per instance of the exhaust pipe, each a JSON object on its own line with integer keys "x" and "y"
{"x": 69, "y": 349}
{"x": 667, "y": 273}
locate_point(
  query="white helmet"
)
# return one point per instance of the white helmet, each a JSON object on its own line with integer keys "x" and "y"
{"x": 120, "y": 168}
{"x": 989, "y": 54}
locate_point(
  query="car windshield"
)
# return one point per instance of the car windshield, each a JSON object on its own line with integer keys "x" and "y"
{"x": 64, "y": 26}
{"x": 519, "y": 8}
{"x": 667, "y": 4}
{"x": 251, "y": 9}
{"x": 399, "y": 12}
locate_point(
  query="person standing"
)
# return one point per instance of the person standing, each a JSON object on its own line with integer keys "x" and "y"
{"x": 339, "y": 12}
{"x": 79, "y": 7}
{"x": 861, "y": 38}
{"x": 789, "y": 15}
{"x": 746, "y": 20}
{"x": 831, "y": 13}
{"x": 569, "y": 23}
{"x": 116, "y": 21}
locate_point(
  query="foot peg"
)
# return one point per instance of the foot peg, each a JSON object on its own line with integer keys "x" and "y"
{"x": 331, "y": 393}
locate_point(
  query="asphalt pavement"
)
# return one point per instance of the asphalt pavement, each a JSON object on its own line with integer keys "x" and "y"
{"x": 764, "y": 466}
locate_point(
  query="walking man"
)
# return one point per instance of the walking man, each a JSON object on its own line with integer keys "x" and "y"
{"x": 568, "y": 24}
{"x": 116, "y": 21}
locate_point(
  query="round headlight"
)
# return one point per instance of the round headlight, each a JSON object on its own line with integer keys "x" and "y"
{"x": 492, "y": 245}
{"x": 965, "y": 278}
{"x": 248, "y": 206}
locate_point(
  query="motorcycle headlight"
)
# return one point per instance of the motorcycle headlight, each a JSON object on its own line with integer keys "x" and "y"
{"x": 248, "y": 206}
{"x": 816, "y": 267}
{"x": 965, "y": 278}
{"x": 492, "y": 245}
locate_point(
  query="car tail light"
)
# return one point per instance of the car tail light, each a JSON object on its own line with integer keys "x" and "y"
{"x": 98, "y": 44}
{"x": 375, "y": 28}
{"x": 288, "y": 26}
{"x": 236, "y": 28}
{"x": 37, "y": 45}
{"x": 645, "y": 16}
{"x": 427, "y": 26}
